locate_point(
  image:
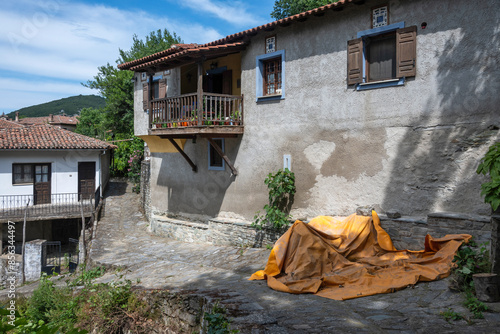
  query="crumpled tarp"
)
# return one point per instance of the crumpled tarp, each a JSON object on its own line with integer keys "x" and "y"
{"x": 353, "y": 257}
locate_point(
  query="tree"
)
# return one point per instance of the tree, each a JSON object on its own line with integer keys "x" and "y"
{"x": 285, "y": 8}
{"x": 90, "y": 123}
{"x": 116, "y": 85}
{"x": 116, "y": 119}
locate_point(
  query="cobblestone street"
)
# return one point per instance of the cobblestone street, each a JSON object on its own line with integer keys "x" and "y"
{"x": 123, "y": 241}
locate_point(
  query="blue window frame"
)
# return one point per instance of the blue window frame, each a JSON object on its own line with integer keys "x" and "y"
{"x": 215, "y": 161}
{"x": 278, "y": 73}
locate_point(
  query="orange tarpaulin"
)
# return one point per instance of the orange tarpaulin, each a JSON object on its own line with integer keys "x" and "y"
{"x": 354, "y": 257}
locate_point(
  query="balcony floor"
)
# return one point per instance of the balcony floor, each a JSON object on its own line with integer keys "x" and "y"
{"x": 202, "y": 131}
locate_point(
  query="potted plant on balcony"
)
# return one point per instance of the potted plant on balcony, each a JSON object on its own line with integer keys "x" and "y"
{"x": 235, "y": 117}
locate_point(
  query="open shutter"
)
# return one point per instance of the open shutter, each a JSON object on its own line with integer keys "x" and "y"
{"x": 145, "y": 96}
{"x": 406, "y": 52}
{"x": 162, "y": 88}
{"x": 355, "y": 61}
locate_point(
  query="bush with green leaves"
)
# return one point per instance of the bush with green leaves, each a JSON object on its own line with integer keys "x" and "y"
{"x": 281, "y": 187}
{"x": 216, "y": 321}
{"x": 490, "y": 164}
{"x": 470, "y": 259}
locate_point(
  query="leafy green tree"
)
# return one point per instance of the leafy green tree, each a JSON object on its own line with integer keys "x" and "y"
{"x": 156, "y": 41}
{"x": 285, "y": 8}
{"x": 91, "y": 123}
{"x": 117, "y": 117}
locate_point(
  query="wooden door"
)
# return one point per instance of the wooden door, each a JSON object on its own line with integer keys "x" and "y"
{"x": 41, "y": 184}
{"x": 86, "y": 179}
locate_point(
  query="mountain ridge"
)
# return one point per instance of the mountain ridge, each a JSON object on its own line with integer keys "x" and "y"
{"x": 69, "y": 105}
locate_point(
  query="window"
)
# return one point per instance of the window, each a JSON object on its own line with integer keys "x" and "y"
{"x": 22, "y": 173}
{"x": 270, "y": 76}
{"x": 215, "y": 161}
{"x": 382, "y": 57}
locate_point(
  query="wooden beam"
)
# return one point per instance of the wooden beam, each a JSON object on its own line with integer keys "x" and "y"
{"x": 222, "y": 155}
{"x": 184, "y": 155}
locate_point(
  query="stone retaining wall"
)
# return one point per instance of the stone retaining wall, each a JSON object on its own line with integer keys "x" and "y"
{"x": 145, "y": 188}
{"x": 405, "y": 232}
{"x": 410, "y": 232}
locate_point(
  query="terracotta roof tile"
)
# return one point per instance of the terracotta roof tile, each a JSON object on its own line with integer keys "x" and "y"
{"x": 6, "y": 124}
{"x": 47, "y": 137}
{"x": 178, "y": 48}
{"x": 56, "y": 119}
{"x": 194, "y": 50}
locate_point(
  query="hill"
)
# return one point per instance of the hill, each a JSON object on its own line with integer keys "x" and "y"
{"x": 71, "y": 105}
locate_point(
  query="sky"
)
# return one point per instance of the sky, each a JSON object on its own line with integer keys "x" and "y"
{"x": 48, "y": 48}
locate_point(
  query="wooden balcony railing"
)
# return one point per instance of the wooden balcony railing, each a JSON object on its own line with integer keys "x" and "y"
{"x": 186, "y": 111}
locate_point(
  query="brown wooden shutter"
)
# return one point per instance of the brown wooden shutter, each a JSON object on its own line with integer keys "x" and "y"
{"x": 145, "y": 96}
{"x": 162, "y": 88}
{"x": 227, "y": 82}
{"x": 355, "y": 61}
{"x": 406, "y": 52}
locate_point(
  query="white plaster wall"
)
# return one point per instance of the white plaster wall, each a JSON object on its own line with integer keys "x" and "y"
{"x": 413, "y": 148}
{"x": 64, "y": 166}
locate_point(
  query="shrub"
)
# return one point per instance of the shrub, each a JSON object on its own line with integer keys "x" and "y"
{"x": 281, "y": 187}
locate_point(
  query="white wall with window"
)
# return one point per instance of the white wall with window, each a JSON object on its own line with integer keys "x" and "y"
{"x": 17, "y": 170}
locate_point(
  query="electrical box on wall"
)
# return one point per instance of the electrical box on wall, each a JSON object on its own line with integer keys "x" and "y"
{"x": 287, "y": 161}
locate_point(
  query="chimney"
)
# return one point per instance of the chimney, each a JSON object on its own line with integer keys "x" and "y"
{"x": 51, "y": 118}
{"x": 17, "y": 116}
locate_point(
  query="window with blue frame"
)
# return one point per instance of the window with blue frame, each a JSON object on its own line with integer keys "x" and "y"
{"x": 270, "y": 76}
{"x": 382, "y": 57}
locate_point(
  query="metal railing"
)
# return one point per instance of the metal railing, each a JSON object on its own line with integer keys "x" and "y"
{"x": 13, "y": 206}
{"x": 183, "y": 111}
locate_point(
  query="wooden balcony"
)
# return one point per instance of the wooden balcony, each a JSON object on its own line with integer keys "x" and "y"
{"x": 59, "y": 206}
{"x": 190, "y": 115}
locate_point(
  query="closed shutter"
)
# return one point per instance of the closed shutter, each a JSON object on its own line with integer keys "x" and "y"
{"x": 227, "y": 82}
{"x": 355, "y": 61}
{"x": 145, "y": 96}
{"x": 162, "y": 88}
{"x": 406, "y": 52}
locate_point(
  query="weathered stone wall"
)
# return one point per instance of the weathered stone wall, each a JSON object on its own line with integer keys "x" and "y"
{"x": 146, "y": 188}
{"x": 6, "y": 272}
{"x": 215, "y": 231}
{"x": 405, "y": 232}
{"x": 410, "y": 232}
{"x": 33, "y": 257}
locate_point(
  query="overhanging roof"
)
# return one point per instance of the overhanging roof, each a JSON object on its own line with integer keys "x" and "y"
{"x": 180, "y": 54}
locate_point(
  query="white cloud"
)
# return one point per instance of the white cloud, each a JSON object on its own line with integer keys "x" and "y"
{"x": 65, "y": 40}
{"x": 233, "y": 12}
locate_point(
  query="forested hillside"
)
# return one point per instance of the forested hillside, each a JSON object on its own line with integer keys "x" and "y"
{"x": 71, "y": 105}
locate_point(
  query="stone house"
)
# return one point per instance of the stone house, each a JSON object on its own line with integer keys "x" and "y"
{"x": 385, "y": 103}
{"x": 50, "y": 171}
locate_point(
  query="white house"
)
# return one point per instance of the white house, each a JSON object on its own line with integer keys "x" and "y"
{"x": 50, "y": 170}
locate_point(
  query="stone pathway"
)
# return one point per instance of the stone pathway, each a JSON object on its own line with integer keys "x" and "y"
{"x": 123, "y": 241}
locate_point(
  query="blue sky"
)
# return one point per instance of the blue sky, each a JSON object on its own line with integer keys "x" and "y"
{"x": 49, "y": 47}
